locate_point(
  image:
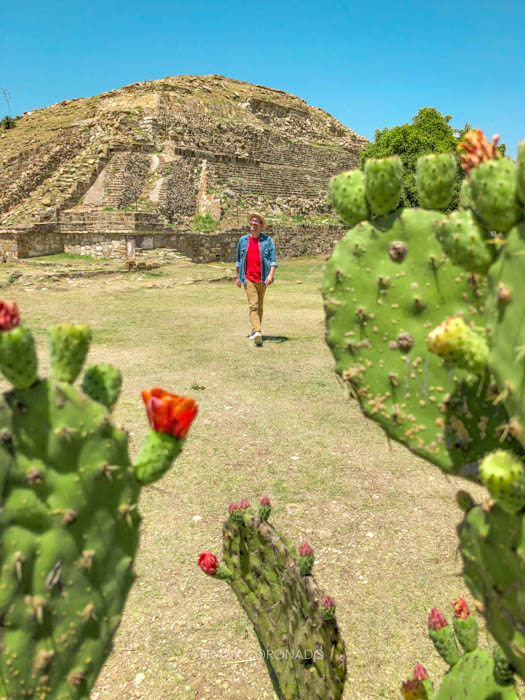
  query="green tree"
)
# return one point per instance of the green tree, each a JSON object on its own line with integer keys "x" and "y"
{"x": 429, "y": 132}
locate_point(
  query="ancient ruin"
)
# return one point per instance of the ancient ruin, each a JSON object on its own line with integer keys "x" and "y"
{"x": 176, "y": 162}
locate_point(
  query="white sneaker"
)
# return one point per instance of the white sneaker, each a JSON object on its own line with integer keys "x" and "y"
{"x": 252, "y": 333}
{"x": 257, "y": 338}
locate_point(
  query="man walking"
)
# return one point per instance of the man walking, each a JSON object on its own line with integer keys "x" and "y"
{"x": 256, "y": 265}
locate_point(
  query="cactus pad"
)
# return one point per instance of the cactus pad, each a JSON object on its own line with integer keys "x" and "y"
{"x": 492, "y": 544}
{"x": 474, "y": 675}
{"x": 387, "y": 285}
{"x": 294, "y": 623}
{"x": 69, "y": 530}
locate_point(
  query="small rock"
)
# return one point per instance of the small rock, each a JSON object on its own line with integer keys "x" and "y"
{"x": 139, "y": 678}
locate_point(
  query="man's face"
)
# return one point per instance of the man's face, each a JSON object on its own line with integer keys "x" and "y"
{"x": 255, "y": 226}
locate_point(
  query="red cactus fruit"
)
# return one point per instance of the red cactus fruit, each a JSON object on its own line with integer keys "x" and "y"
{"x": 233, "y": 507}
{"x": 305, "y": 550}
{"x": 327, "y": 602}
{"x": 461, "y": 609}
{"x": 265, "y": 501}
{"x": 413, "y": 689}
{"x": 243, "y": 504}
{"x": 9, "y": 315}
{"x": 419, "y": 673}
{"x": 436, "y": 620}
{"x": 477, "y": 149}
{"x": 169, "y": 413}
{"x": 208, "y": 563}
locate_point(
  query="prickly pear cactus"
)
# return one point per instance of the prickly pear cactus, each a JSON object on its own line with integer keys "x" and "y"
{"x": 388, "y": 283}
{"x": 462, "y": 404}
{"x": 295, "y": 625}
{"x": 473, "y": 674}
{"x": 68, "y": 520}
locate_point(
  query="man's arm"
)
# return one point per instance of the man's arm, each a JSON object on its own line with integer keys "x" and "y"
{"x": 238, "y": 264}
{"x": 273, "y": 264}
{"x": 269, "y": 279}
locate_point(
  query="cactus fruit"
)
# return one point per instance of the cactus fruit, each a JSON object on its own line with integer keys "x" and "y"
{"x": 68, "y": 347}
{"x": 435, "y": 178}
{"x": 465, "y": 241}
{"x": 69, "y": 526}
{"x": 459, "y": 345}
{"x": 348, "y": 194}
{"x": 306, "y": 559}
{"x": 504, "y": 476}
{"x": 102, "y": 383}
{"x": 383, "y": 184}
{"x": 441, "y": 634}
{"x": 18, "y": 361}
{"x": 494, "y": 194}
{"x": 475, "y": 675}
{"x": 294, "y": 623}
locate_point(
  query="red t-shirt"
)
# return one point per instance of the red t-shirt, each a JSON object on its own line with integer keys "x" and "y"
{"x": 253, "y": 261}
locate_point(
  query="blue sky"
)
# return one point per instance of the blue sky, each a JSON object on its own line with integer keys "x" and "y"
{"x": 370, "y": 64}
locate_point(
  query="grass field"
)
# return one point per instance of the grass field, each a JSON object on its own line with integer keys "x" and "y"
{"x": 272, "y": 421}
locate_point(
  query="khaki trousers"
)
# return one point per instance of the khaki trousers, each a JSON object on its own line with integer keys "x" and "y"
{"x": 255, "y": 293}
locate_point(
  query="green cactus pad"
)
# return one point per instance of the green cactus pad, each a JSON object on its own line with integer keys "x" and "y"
{"x": 156, "y": 455}
{"x": 465, "y": 196}
{"x": 102, "y": 383}
{"x": 492, "y": 545}
{"x": 69, "y": 534}
{"x": 466, "y": 629}
{"x": 473, "y": 678}
{"x": 520, "y": 184}
{"x": 383, "y": 184}
{"x": 494, "y": 195}
{"x": 68, "y": 347}
{"x": 68, "y": 524}
{"x": 435, "y": 179}
{"x": 506, "y": 318}
{"x": 18, "y": 361}
{"x": 504, "y": 476}
{"x": 465, "y": 241}
{"x": 347, "y": 191}
{"x": 303, "y": 651}
{"x": 445, "y": 643}
{"x": 502, "y": 669}
{"x": 387, "y": 285}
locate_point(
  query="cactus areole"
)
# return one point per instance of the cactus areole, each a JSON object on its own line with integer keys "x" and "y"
{"x": 68, "y": 520}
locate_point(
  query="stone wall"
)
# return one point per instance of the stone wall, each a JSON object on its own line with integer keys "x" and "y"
{"x": 292, "y": 241}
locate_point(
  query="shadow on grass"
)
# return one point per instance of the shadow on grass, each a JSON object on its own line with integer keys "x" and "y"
{"x": 276, "y": 338}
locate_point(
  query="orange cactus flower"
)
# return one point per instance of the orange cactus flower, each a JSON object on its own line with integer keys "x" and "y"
{"x": 169, "y": 413}
{"x": 461, "y": 609}
{"x": 477, "y": 149}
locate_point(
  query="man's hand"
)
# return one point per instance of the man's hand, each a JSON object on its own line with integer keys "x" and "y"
{"x": 268, "y": 280}
{"x": 238, "y": 282}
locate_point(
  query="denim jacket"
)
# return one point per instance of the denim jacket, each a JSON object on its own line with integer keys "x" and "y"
{"x": 267, "y": 251}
